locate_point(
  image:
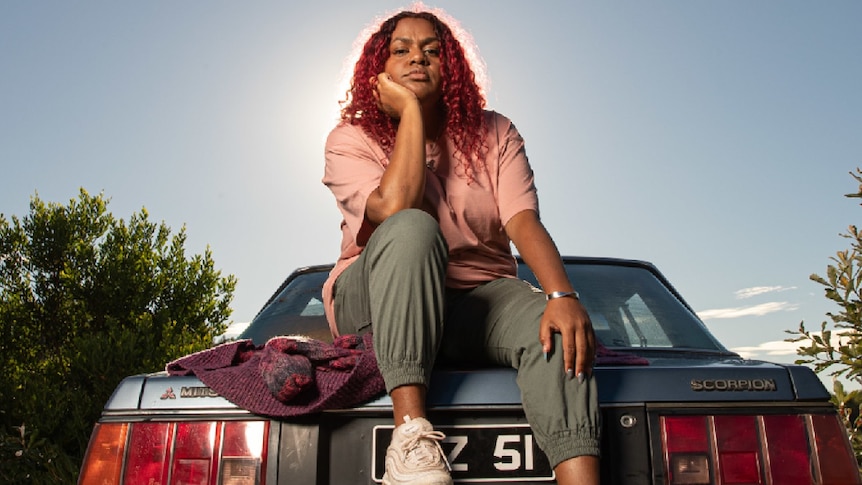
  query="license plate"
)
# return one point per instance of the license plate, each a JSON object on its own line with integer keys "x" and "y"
{"x": 480, "y": 453}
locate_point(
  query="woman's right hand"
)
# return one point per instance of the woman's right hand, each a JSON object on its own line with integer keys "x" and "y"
{"x": 402, "y": 185}
{"x": 392, "y": 98}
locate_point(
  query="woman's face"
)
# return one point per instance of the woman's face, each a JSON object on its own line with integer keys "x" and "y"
{"x": 414, "y": 59}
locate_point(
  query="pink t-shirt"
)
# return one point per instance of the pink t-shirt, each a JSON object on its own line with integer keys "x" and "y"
{"x": 472, "y": 216}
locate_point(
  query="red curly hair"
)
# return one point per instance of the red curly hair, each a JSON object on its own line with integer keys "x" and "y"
{"x": 462, "y": 102}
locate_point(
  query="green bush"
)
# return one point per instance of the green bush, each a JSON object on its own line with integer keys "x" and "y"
{"x": 837, "y": 347}
{"x": 31, "y": 459}
{"x": 85, "y": 300}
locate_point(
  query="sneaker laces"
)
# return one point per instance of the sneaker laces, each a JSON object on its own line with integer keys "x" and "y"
{"x": 418, "y": 448}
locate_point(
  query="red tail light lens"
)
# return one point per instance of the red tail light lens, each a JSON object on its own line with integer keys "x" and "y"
{"x": 242, "y": 458}
{"x": 757, "y": 450}
{"x": 831, "y": 443}
{"x": 738, "y": 450}
{"x": 786, "y": 443}
{"x": 193, "y": 453}
{"x": 149, "y": 449}
{"x": 189, "y": 453}
{"x": 686, "y": 445}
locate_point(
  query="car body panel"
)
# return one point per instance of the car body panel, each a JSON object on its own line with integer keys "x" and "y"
{"x": 689, "y": 374}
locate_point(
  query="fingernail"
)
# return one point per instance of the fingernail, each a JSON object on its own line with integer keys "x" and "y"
{"x": 580, "y": 378}
{"x": 570, "y": 373}
{"x": 547, "y": 357}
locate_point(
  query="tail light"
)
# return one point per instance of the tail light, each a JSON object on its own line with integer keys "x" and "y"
{"x": 757, "y": 450}
{"x": 184, "y": 453}
{"x": 104, "y": 460}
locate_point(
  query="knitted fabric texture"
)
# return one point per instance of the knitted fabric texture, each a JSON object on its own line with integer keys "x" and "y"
{"x": 288, "y": 376}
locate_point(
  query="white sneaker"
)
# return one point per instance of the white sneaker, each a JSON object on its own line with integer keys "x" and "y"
{"x": 415, "y": 457}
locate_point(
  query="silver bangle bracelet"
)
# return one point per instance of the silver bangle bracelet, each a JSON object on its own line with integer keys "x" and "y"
{"x": 561, "y": 294}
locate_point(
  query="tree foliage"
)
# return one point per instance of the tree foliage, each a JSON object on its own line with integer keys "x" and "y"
{"x": 837, "y": 347}
{"x": 85, "y": 300}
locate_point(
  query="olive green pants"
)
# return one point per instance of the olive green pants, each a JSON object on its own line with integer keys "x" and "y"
{"x": 397, "y": 289}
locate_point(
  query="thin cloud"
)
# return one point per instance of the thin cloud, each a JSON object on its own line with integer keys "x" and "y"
{"x": 772, "y": 349}
{"x": 760, "y": 290}
{"x": 748, "y": 311}
{"x": 782, "y": 347}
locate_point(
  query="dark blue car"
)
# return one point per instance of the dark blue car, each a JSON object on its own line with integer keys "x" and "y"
{"x": 677, "y": 408}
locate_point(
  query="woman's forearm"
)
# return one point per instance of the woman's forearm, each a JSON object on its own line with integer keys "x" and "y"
{"x": 403, "y": 183}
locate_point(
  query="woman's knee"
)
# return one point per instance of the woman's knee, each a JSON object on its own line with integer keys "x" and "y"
{"x": 409, "y": 232}
{"x": 414, "y": 223}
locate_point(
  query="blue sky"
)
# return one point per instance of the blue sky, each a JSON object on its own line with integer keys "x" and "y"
{"x": 713, "y": 139}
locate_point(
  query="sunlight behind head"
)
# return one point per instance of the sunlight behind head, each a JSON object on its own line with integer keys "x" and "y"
{"x": 471, "y": 50}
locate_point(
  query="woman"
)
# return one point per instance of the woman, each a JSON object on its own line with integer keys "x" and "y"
{"x": 433, "y": 189}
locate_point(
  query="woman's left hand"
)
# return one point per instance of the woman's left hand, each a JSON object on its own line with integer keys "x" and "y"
{"x": 568, "y": 317}
{"x": 564, "y": 315}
